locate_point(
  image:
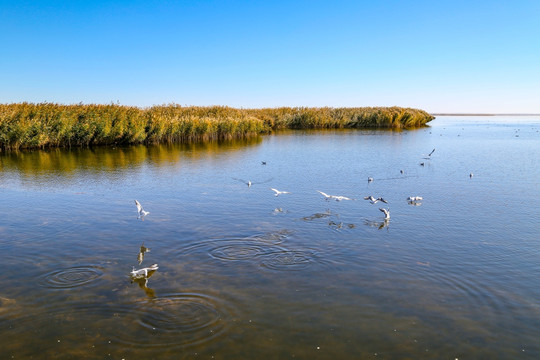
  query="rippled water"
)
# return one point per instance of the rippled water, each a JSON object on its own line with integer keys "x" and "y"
{"x": 245, "y": 274}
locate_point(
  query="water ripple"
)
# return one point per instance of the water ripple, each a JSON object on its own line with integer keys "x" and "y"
{"x": 237, "y": 251}
{"x": 70, "y": 277}
{"x": 289, "y": 260}
{"x": 178, "y": 320}
{"x": 237, "y": 248}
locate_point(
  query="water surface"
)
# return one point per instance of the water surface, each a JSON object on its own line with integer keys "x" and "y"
{"x": 245, "y": 274}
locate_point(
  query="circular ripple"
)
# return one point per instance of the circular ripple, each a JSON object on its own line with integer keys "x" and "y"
{"x": 288, "y": 260}
{"x": 71, "y": 277}
{"x": 236, "y": 248}
{"x": 177, "y": 320}
{"x": 239, "y": 251}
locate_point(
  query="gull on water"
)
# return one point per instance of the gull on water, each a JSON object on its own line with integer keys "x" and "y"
{"x": 471, "y": 175}
{"x": 374, "y": 201}
{"x": 335, "y": 197}
{"x": 144, "y": 272}
{"x": 140, "y": 210}
{"x": 279, "y": 192}
{"x": 369, "y": 179}
{"x": 386, "y": 213}
{"x": 249, "y": 183}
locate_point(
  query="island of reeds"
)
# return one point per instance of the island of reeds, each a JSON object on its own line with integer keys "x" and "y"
{"x": 29, "y": 125}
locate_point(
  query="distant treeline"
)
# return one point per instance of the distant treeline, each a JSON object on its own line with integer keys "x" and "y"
{"x": 28, "y": 125}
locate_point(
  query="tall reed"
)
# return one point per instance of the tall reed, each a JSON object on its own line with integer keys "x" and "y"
{"x": 29, "y": 125}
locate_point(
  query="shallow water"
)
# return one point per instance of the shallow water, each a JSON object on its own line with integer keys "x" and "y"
{"x": 245, "y": 274}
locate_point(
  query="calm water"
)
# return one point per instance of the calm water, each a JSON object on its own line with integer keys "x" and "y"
{"x": 245, "y": 274}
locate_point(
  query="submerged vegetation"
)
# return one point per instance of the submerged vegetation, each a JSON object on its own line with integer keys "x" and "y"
{"x": 28, "y": 125}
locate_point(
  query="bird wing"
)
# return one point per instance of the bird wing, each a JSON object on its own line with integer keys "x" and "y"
{"x": 139, "y": 207}
{"x": 323, "y": 194}
{"x": 275, "y": 190}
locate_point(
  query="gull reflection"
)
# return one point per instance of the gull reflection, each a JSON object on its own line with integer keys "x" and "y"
{"x": 318, "y": 216}
{"x": 142, "y": 251}
{"x": 143, "y": 282}
{"x": 141, "y": 276}
{"x": 279, "y": 210}
{"x": 378, "y": 224}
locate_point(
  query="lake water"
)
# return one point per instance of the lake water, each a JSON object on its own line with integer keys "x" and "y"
{"x": 245, "y": 274}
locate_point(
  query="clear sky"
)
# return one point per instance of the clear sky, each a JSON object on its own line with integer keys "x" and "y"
{"x": 440, "y": 56}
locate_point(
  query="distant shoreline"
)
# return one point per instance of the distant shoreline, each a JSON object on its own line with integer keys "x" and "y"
{"x": 480, "y": 114}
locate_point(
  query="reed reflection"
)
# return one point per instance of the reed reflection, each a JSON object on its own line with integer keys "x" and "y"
{"x": 68, "y": 162}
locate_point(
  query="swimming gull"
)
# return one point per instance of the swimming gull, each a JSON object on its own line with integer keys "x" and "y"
{"x": 249, "y": 182}
{"x": 144, "y": 272}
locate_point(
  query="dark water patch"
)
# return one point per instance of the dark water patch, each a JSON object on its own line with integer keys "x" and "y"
{"x": 71, "y": 277}
{"x": 170, "y": 322}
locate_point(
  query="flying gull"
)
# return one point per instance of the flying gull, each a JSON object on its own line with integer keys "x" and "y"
{"x": 335, "y": 197}
{"x": 386, "y": 213}
{"x": 279, "y": 192}
{"x": 374, "y": 201}
{"x": 140, "y": 210}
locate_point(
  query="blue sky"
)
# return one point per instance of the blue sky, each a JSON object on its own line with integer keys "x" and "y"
{"x": 441, "y": 56}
